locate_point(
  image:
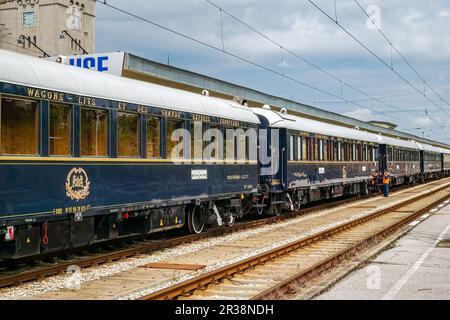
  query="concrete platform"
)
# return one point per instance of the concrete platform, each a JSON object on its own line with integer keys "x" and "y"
{"x": 416, "y": 267}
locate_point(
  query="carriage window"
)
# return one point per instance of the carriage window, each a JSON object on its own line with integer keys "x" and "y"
{"x": 94, "y": 132}
{"x": 60, "y": 129}
{"x": 291, "y": 148}
{"x": 316, "y": 149}
{"x": 305, "y": 149}
{"x": 358, "y": 152}
{"x": 19, "y": 127}
{"x": 338, "y": 151}
{"x": 129, "y": 134}
{"x": 153, "y": 137}
{"x": 308, "y": 148}
{"x": 299, "y": 148}
{"x": 330, "y": 150}
{"x": 344, "y": 150}
{"x": 229, "y": 144}
{"x": 172, "y": 138}
{"x": 321, "y": 150}
{"x": 197, "y": 140}
{"x": 241, "y": 145}
{"x": 324, "y": 150}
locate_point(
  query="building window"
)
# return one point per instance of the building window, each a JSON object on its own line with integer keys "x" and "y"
{"x": 60, "y": 129}
{"x": 172, "y": 138}
{"x": 19, "y": 127}
{"x": 153, "y": 137}
{"x": 29, "y": 19}
{"x": 94, "y": 132}
{"x": 128, "y": 135}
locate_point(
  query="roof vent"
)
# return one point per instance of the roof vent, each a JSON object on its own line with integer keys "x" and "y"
{"x": 283, "y": 111}
{"x": 205, "y": 93}
{"x": 356, "y": 127}
{"x": 266, "y": 107}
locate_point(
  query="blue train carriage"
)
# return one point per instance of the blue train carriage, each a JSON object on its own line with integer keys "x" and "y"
{"x": 317, "y": 160}
{"x": 88, "y": 157}
{"x": 445, "y": 161}
{"x": 401, "y": 158}
{"x": 431, "y": 161}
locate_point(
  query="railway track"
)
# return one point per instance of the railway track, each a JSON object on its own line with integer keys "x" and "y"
{"x": 30, "y": 272}
{"x": 227, "y": 250}
{"x": 272, "y": 273}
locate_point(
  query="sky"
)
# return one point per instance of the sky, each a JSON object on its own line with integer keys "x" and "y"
{"x": 417, "y": 28}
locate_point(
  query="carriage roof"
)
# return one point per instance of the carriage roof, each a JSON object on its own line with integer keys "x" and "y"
{"x": 280, "y": 120}
{"x": 34, "y": 72}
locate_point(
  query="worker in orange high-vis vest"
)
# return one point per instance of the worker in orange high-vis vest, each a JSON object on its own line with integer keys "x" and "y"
{"x": 386, "y": 181}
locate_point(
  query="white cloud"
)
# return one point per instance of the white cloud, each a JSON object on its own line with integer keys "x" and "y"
{"x": 422, "y": 122}
{"x": 444, "y": 14}
{"x": 361, "y": 114}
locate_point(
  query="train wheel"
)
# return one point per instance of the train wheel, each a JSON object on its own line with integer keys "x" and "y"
{"x": 195, "y": 220}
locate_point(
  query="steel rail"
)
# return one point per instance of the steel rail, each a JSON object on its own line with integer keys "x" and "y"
{"x": 86, "y": 262}
{"x": 201, "y": 282}
{"x": 344, "y": 254}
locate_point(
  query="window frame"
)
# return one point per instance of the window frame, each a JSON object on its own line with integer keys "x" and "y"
{"x": 108, "y": 131}
{"x": 166, "y": 139}
{"x": 72, "y": 133}
{"x": 159, "y": 118}
{"x": 38, "y": 125}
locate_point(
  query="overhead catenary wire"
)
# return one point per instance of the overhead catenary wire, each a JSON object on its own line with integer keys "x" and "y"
{"x": 351, "y": 35}
{"x": 402, "y": 93}
{"x": 255, "y": 64}
{"x": 400, "y": 54}
{"x": 303, "y": 59}
{"x": 221, "y": 9}
{"x": 242, "y": 59}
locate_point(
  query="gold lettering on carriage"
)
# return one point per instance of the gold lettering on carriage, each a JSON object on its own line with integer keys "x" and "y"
{"x": 202, "y": 118}
{"x": 87, "y": 101}
{"x": 77, "y": 184}
{"x": 45, "y": 94}
{"x": 231, "y": 123}
{"x": 171, "y": 114}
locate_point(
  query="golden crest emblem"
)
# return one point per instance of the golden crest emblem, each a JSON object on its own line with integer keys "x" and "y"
{"x": 77, "y": 184}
